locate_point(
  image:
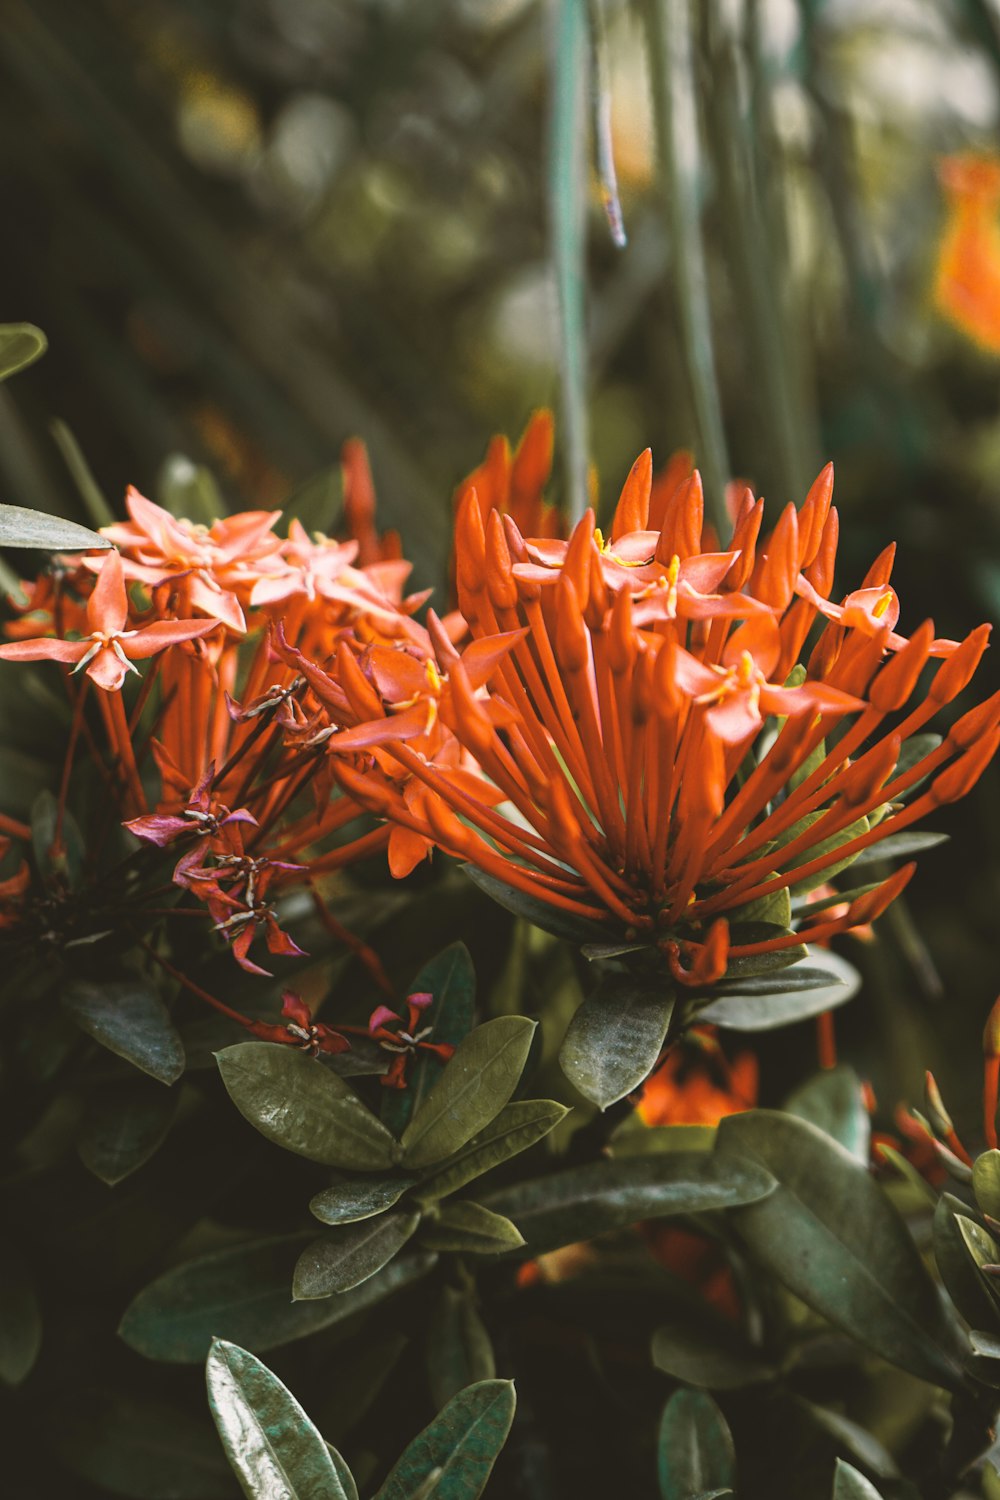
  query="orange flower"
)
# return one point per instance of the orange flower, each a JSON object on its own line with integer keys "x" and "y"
{"x": 698, "y": 1090}
{"x": 967, "y": 277}
{"x": 663, "y": 769}
{"x": 108, "y": 650}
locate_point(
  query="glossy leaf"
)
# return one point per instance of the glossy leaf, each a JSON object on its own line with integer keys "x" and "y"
{"x": 468, "y": 1227}
{"x": 539, "y": 913}
{"x": 799, "y": 995}
{"x": 817, "y": 1234}
{"x": 615, "y": 1038}
{"x": 273, "y": 1447}
{"x": 125, "y": 1123}
{"x": 472, "y": 1090}
{"x": 453, "y": 1457}
{"x": 701, "y": 1348}
{"x": 244, "y": 1294}
{"x": 451, "y": 978}
{"x": 849, "y": 1484}
{"x": 695, "y": 1455}
{"x": 295, "y": 1101}
{"x": 350, "y": 1255}
{"x": 20, "y": 345}
{"x": 128, "y": 1017}
{"x": 750, "y": 965}
{"x": 833, "y": 1101}
{"x": 822, "y": 847}
{"x": 347, "y": 1202}
{"x": 20, "y": 1317}
{"x": 459, "y": 1351}
{"x": 516, "y": 1128}
{"x": 20, "y": 527}
{"x": 584, "y": 1201}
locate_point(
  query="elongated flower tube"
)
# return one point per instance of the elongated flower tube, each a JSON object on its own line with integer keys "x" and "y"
{"x": 665, "y": 766}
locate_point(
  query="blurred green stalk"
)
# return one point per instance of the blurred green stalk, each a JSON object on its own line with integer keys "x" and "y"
{"x": 671, "y": 65}
{"x": 567, "y": 214}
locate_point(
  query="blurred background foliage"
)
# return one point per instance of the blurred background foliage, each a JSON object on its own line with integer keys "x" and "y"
{"x": 253, "y": 228}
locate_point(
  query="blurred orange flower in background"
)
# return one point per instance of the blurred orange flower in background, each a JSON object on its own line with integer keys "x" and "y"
{"x": 967, "y": 277}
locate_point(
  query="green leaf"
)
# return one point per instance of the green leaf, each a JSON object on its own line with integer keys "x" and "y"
{"x": 833, "y": 1102}
{"x": 315, "y": 502}
{"x": 128, "y": 1017}
{"x": 472, "y": 1090}
{"x": 833, "y": 1238}
{"x": 986, "y": 1182}
{"x": 459, "y": 1351}
{"x": 453, "y": 1457}
{"x": 983, "y": 1250}
{"x": 615, "y": 1038}
{"x": 346, "y": 1257}
{"x": 20, "y": 345}
{"x": 271, "y": 1444}
{"x": 817, "y": 851}
{"x": 965, "y": 1286}
{"x": 539, "y": 913}
{"x": 63, "y": 863}
{"x": 451, "y": 978}
{"x": 20, "y": 1317}
{"x": 295, "y": 1101}
{"x": 701, "y": 1348}
{"x": 125, "y": 1123}
{"x": 770, "y": 961}
{"x": 849, "y": 1484}
{"x": 775, "y": 909}
{"x": 516, "y": 1128}
{"x": 189, "y": 491}
{"x": 466, "y": 1226}
{"x": 991, "y": 1481}
{"x": 898, "y": 845}
{"x": 695, "y": 1449}
{"x": 584, "y": 1201}
{"x": 347, "y": 1202}
{"x": 244, "y": 1294}
{"x": 35, "y": 528}
{"x": 633, "y": 1138}
{"x": 799, "y": 995}
{"x": 135, "y": 1445}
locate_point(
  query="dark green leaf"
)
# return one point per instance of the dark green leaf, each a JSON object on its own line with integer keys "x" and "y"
{"x": 914, "y": 750}
{"x": 772, "y": 960}
{"x": 472, "y": 1090}
{"x": 128, "y": 1017}
{"x": 63, "y": 862}
{"x": 818, "y": 850}
{"x": 20, "y": 1318}
{"x": 898, "y": 845}
{"x": 453, "y": 1457}
{"x": 459, "y": 1351}
{"x": 466, "y": 1226}
{"x": 451, "y": 979}
{"x": 244, "y": 1294}
{"x": 346, "y": 1202}
{"x": 125, "y": 1123}
{"x": 271, "y": 1444}
{"x": 848, "y": 1484}
{"x": 584, "y": 1201}
{"x": 986, "y": 1182}
{"x": 852, "y": 1437}
{"x": 138, "y": 1446}
{"x": 833, "y": 1101}
{"x": 20, "y": 345}
{"x": 516, "y": 1128}
{"x": 816, "y": 1233}
{"x": 548, "y": 918}
{"x": 701, "y": 1348}
{"x": 695, "y": 1449}
{"x": 983, "y": 1250}
{"x": 350, "y": 1255}
{"x": 295, "y": 1101}
{"x": 35, "y": 528}
{"x": 615, "y": 1038}
{"x": 635, "y": 1139}
{"x": 798, "y": 995}
{"x": 965, "y": 1286}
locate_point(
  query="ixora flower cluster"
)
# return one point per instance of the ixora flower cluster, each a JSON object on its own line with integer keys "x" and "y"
{"x": 659, "y": 743}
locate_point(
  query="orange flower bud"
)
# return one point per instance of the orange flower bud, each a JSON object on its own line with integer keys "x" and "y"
{"x": 961, "y": 776}
{"x": 684, "y": 517}
{"x": 362, "y": 697}
{"x": 622, "y": 641}
{"x": 632, "y": 510}
{"x": 880, "y": 572}
{"x": 532, "y": 463}
{"x": 576, "y": 566}
{"x": 859, "y": 783}
{"x": 500, "y": 582}
{"x": 958, "y": 669}
{"x": 821, "y": 570}
{"x": 572, "y": 640}
{"x": 744, "y": 541}
{"x": 812, "y": 516}
{"x": 892, "y": 686}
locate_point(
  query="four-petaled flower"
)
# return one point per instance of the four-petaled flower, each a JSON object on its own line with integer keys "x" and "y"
{"x": 108, "y": 651}
{"x": 405, "y": 1039}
